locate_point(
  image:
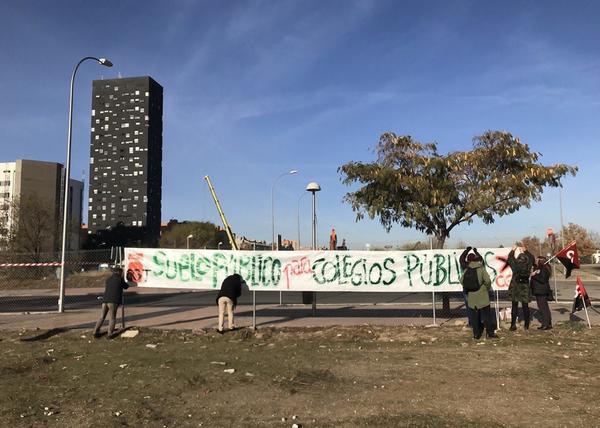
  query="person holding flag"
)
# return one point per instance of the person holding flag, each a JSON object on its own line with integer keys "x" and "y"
{"x": 540, "y": 288}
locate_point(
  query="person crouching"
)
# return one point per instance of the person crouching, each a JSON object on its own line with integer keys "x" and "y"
{"x": 231, "y": 289}
{"x": 477, "y": 284}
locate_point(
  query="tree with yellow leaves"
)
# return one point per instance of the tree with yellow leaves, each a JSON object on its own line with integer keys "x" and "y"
{"x": 412, "y": 184}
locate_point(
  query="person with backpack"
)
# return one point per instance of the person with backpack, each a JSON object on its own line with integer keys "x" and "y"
{"x": 540, "y": 288}
{"x": 519, "y": 290}
{"x": 477, "y": 284}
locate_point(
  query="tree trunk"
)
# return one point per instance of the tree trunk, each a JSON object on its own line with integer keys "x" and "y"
{"x": 439, "y": 241}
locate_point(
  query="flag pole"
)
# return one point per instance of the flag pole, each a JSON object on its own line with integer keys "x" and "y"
{"x": 585, "y": 309}
{"x": 433, "y": 306}
{"x": 555, "y": 291}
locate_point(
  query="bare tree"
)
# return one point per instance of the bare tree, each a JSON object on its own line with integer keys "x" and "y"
{"x": 33, "y": 228}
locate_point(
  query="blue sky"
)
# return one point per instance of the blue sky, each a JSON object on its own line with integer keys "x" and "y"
{"x": 256, "y": 88}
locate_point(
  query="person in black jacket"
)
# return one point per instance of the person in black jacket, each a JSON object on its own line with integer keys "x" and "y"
{"x": 519, "y": 290}
{"x": 463, "y": 266}
{"x": 113, "y": 296}
{"x": 231, "y": 289}
{"x": 540, "y": 288}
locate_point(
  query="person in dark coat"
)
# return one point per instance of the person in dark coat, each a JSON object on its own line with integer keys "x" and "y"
{"x": 113, "y": 296}
{"x": 540, "y": 288}
{"x": 479, "y": 301}
{"x": 463, "y": 265}
{"x": 231, "y": 289}
{"x": 519, "y": 290}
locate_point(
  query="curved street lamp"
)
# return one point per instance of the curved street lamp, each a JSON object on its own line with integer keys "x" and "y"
{"x": 105, "y": 62}
{"x": 187, "y": 241}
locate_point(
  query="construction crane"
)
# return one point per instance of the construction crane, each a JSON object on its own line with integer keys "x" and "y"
{"x": 221, "y": 213}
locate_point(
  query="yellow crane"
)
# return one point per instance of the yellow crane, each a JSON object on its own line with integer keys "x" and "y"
{"x": 221, "y": 213}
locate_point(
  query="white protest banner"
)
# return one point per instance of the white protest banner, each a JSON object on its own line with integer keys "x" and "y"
{"x": 384, "y": 271}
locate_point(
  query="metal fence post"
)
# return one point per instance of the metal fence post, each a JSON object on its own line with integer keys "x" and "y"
{"x": 253, "y": 310}
{"x": 497, "y": 311}
{"x": 433, "y": 306}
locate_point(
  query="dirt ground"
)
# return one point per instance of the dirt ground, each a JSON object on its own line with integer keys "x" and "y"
{"x": 325, "y": 377}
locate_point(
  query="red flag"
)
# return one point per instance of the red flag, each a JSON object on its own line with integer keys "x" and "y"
{"x": 581, "y": 296}
{"x": 569, "y": 257}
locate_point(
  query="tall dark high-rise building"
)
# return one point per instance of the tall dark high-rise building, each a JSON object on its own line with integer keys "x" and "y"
{"x": 126, "y": 158}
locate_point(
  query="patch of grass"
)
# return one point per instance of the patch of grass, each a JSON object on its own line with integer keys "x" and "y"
{"x": 15, "y": 369}
{"x": 572, "y": 325}
{"x": 415, "y": 420}
{"x": 307, "y": 379}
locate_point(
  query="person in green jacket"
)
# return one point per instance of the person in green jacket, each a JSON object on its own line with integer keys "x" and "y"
{"x": 475, "y": 277}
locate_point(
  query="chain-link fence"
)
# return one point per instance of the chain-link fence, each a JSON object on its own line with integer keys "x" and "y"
{"x": 29, "y": 282}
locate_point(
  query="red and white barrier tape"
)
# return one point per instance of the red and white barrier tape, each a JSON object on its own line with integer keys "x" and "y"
{"x": 46, "y": 264}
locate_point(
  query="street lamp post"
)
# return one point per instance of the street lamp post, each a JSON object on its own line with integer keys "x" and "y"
{"x": 275, "y": 246}
{"x": 314, "y": 187}
{"x": 562, "y": 224}
{"x": 298, "y": 218}
{"x": 61, "y": 297}
{"x": 187, "y": 241}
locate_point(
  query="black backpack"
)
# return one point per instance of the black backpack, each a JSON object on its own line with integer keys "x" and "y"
{"x": 523, "y": 270}
{"x": 470, "y": 280}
